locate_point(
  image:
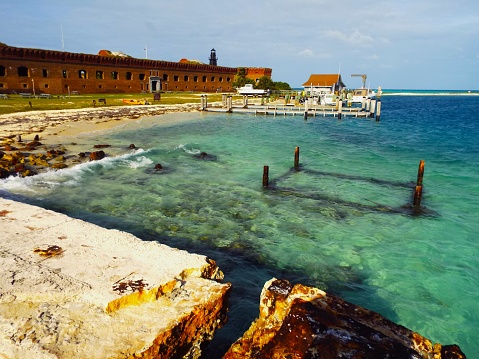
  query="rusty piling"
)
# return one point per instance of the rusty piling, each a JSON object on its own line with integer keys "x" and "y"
{"x": 265, "y": 176}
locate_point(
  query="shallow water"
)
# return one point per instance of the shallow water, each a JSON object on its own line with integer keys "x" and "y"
{"x": 342, "y": 223}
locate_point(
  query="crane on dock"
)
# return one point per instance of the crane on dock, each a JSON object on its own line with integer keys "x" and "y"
{"x": 363, "y": 76}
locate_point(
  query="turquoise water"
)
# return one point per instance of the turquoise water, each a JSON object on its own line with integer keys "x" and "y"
{"x": 342, "y": 223}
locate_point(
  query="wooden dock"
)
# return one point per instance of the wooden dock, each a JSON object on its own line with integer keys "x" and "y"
{"x": 370, "y": 108}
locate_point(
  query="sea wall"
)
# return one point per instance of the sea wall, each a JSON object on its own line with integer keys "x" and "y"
{"x": 71, "y": 289}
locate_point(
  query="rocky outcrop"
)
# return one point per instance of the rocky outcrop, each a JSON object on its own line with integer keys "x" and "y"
{"x": 304, "y": 322}
{"x": 70, "y": 289}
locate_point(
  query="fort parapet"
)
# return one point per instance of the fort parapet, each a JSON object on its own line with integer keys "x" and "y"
{"x": 36, "y": 71}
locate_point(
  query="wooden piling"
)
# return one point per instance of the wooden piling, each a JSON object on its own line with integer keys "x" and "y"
{"x": 417, "y": 196}
{"x": 420, "y": 173}
{"x": 265, "y": 176}
{"x": 340, "y": 109}
{"x": 305, "y": 110}
{"x": 296, "y": 158}
{"x": 419, "y": 186}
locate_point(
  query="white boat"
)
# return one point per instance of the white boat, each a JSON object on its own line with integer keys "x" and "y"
{"x": 248, "y": 90}
{"x": 330, "y": 99}
{"x": 362, "y": 94}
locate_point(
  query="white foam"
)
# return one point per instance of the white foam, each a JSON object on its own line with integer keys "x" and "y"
{"x": 71, "y": 176}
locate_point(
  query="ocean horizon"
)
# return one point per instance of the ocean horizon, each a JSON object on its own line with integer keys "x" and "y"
{"x": 343, "y": 223}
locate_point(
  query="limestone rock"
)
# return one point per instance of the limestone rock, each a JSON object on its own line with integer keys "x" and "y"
{"x": 304, "y": 322}
{"x": 70, "y": 289}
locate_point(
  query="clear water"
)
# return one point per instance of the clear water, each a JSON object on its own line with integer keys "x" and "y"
{"x": 342, "y": 223}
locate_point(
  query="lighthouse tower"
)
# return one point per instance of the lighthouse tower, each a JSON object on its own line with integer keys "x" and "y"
{"x": 213, "y": 58}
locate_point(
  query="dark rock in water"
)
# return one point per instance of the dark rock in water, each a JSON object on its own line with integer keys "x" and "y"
{"x": 205, "y": 156}
{"x": 97, "y": 155}
{"x": 158, "y": 166}
{"x": 82, "y": 154}
{"x": 132, "y": 146}
{"x": 101, "y": 146}
{"x": 305, "y": 322}
{"x": 36, "y": 138}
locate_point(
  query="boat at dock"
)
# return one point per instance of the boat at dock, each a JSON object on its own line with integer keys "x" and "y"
{"x": 362, "y": 94}
{"x": 248, "y": 90}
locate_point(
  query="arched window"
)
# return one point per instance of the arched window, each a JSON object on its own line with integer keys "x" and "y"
{"x": 82, "y": 74}
{"x": 2, "y": 70}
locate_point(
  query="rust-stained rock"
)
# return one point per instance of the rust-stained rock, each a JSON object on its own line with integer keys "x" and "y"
{"x": 97, "y": 155}
{"x": 59, "y": 166}
{"x": 38, "y": 160}
{"x": 54, "y": 153}
{"x": 305, "y": 322}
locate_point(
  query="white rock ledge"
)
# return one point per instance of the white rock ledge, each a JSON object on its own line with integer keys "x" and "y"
{"x": 71, "y": 289}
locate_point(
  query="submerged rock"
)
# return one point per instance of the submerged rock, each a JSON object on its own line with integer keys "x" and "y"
{"x": 305, "y": 322}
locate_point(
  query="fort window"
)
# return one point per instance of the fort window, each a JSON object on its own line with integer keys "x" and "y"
{"x": 129, "y": 76}
{"x": 64, "y": 74}
{"x": 99, "y": 75}
{"x": 228, "y": 79}
{"x": 176, "y": 78}
{"x": 221, "y": 79}
{"x": 99, "y": 86}
{"x": 114, "y": 75}
{"x": 204, "y": 79}
{"x": 2, "y": 70}
{"x": 165, "y": 77}
{"x": 23, "y": 71}
{"x": 46, "y": 86}
{"x": 142, "y": 77}
{"x": 212, "y": 79}
{"x": 45, "y": 73}
{"x": 186, "y": 78}
{"x": 195, "y": 79}
{"x": 82, "y": 74}
{"x": 24, "y": 86}
{"x": 1, "y": 85}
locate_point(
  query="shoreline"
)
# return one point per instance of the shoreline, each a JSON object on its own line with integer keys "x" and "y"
{"x": 36, "y": 141}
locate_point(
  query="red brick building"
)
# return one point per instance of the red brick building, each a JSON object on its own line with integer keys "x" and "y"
{"x": 37, "y": 71}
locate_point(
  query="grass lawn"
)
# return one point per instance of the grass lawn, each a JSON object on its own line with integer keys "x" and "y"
{"x": 16, "y": 103}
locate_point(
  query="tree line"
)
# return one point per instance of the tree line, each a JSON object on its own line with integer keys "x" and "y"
{"x": 264, "y": 82}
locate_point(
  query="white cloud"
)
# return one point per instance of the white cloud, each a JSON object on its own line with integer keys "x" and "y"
{"x": 355, "y": 38}
{"x": 306, "y": 53}
{"x": 309, "y": 53}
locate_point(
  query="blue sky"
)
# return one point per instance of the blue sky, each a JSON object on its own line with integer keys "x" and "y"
{"x": 414, "y": 44}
